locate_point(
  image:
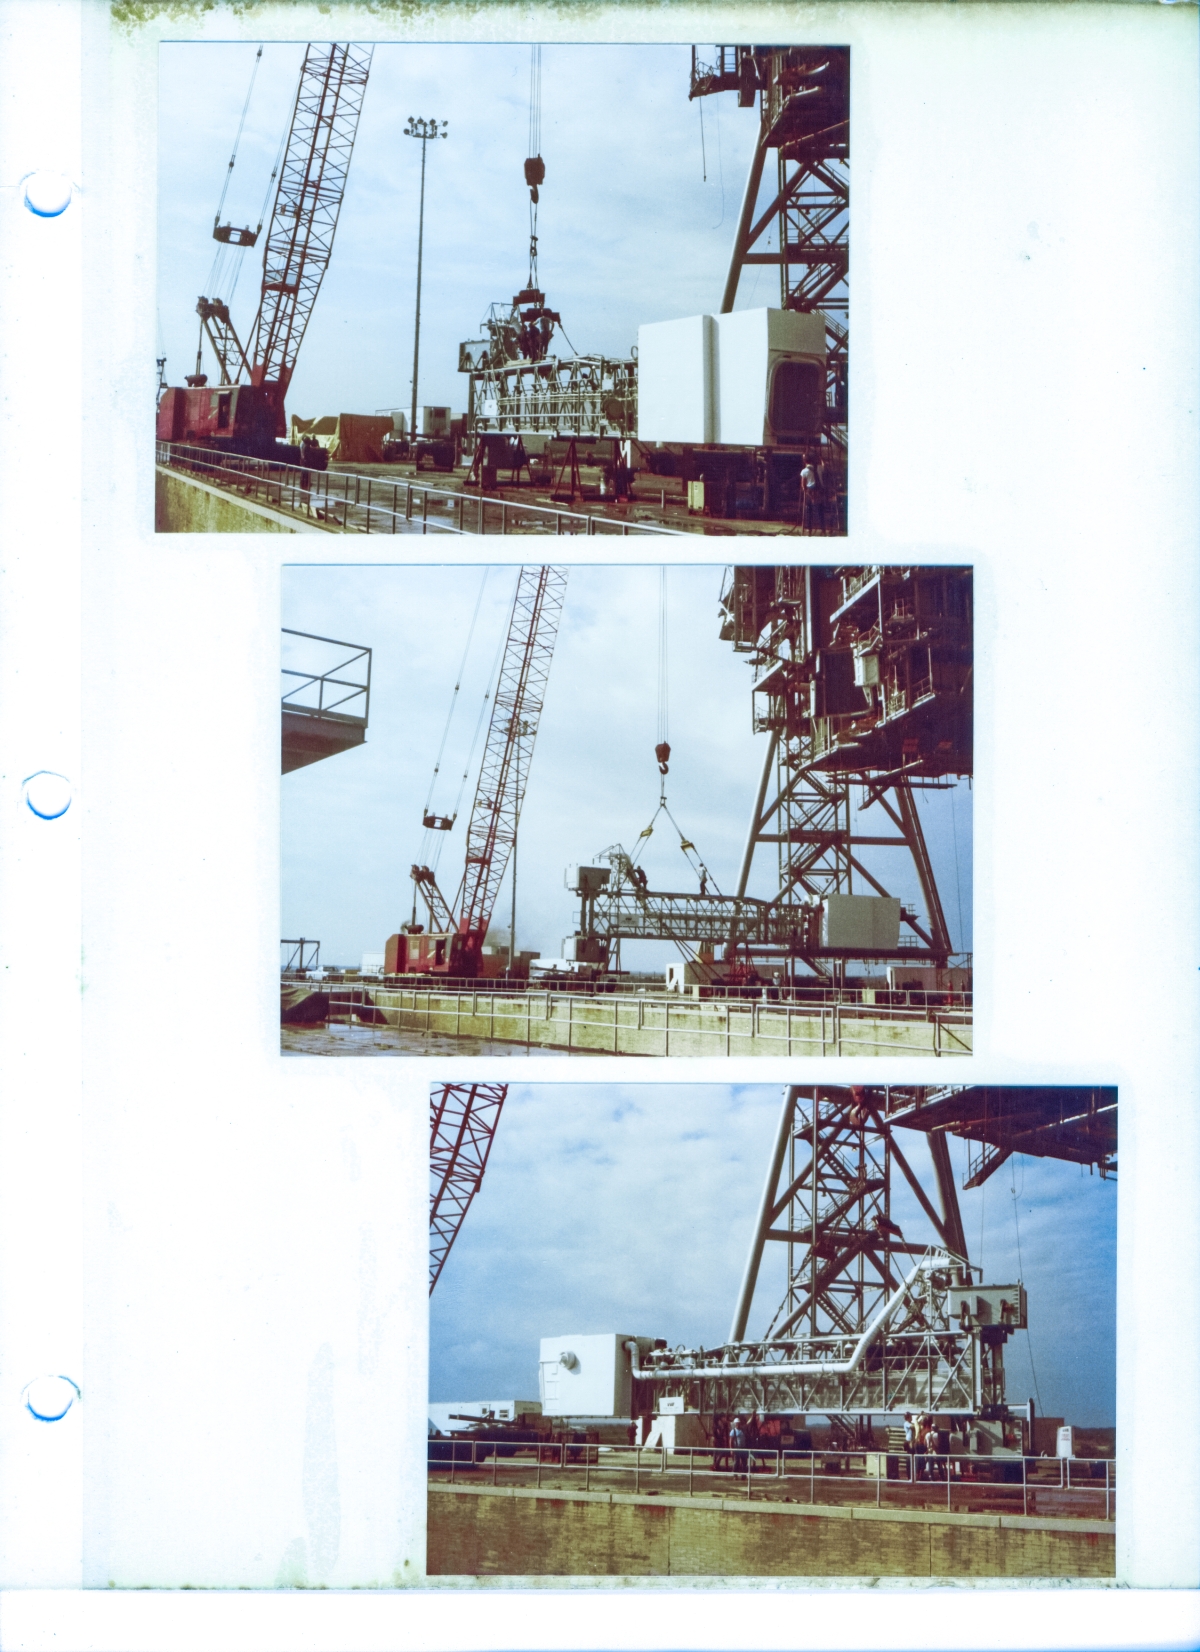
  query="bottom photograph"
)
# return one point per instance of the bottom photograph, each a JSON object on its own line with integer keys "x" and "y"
{"x": 739, "y": 1330}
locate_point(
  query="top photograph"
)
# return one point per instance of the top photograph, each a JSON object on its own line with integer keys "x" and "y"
{"x": 572, "y": 289}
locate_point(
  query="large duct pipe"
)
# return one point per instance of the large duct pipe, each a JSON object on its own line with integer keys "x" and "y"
{"x": 811, "y": 1368}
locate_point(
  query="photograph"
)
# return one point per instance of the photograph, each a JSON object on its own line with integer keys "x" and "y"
{"x": 709, "y": 1329}
{"x": 536, "y": 318}
{"x": 626, "y": 810}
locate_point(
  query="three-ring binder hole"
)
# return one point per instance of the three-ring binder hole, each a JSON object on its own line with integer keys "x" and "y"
{"x": 48, "y": 794}
{"x": 47, "y": 194}
{"x": 49, "y": 1398}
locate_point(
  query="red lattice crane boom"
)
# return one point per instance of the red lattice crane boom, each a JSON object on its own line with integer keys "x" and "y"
{"x": 247, "y": 417}
{"x": 454, "y": 945}
{"x": 462, "y": 1125}
{"x": 312, "y": 182}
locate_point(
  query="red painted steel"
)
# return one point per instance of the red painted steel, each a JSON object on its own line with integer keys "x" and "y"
{"x": 462, "y": 1125}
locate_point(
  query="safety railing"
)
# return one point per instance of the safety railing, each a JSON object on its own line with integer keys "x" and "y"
{"x": 342, "y": 689}
{"x": 345, "y": 501}
{"x": 1037, "y": 1487}
{"x": 636, "y": 1024}
{"x": 868, "y": 999}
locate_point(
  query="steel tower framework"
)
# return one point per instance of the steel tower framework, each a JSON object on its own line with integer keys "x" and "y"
{"x": 462, "y": 1126}
{"x": 828, "y": 1200}
{"x": 863, "y": 676}
{"x": 803, "y": 93}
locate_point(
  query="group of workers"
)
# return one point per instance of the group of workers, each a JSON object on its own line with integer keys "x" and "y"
{"x": 929, "y": 1460}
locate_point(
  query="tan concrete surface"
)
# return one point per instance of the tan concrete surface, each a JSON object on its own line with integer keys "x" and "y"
{"x": 521, "y": 1532}
{"x": 185, "y": 504}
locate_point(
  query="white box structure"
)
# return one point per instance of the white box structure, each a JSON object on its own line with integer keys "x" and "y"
{"x": 675, "y": 373}
{"x": 753, "y": 378}
{"x": 586, "y": 1376}
{"x": 868, "y": 921}
{"x": 927, "y": 978}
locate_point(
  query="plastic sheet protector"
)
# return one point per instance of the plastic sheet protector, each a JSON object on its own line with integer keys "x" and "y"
{"x": 659, "y": 580}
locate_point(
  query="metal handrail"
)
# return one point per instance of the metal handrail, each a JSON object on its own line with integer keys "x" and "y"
{"x": 866, "y": 1475}
{"x": 549, "y": 1020}
{"x": 902, "y": 1004}
{"x": 309, "y": 678}
{"x": 345, "y": 501}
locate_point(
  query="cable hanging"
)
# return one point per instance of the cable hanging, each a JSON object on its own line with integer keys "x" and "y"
{"x": 443, "y": 823}
{"x": 237, "y": 140}
{"x": 535, "y": 166}
{"x": 662, "y": 750}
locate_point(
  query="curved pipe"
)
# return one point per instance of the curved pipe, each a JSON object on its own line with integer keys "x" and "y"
{"x": 812, "y": 1368}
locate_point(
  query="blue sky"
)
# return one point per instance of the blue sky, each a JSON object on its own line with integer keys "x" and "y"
{"x": 629, "y": 230}
{"x": 630, "y": 1207}
{"x": 351, "y": 825}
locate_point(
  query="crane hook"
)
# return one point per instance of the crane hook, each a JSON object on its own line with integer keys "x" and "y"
{"x": 662, "y": 751}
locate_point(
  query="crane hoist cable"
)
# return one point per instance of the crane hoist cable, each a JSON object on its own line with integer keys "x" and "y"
{"x": 437, "y": 763}
{"x": 220, "y": 256}
{"x": 487, "y": 701}
{"x": 535, "y": 166}
{"x": 662, "y": 750}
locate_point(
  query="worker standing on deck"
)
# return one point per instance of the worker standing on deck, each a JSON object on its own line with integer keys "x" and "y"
{"x": 810, "y": 497}
{"x": 738, "y": 1440}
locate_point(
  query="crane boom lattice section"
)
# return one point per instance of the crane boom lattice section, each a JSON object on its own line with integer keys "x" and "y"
{"x": 462, "y": 1126}
{"x": 516, "y": 709}
{"x": 312, "y": 183}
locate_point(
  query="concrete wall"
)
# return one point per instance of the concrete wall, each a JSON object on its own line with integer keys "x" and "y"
{"x": 663, "y": 1025}
{"x": 478, "y": 1532}
{"x": 182, "y": 504}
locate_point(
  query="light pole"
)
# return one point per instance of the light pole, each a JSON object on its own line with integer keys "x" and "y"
{"x": 424, "y": 130}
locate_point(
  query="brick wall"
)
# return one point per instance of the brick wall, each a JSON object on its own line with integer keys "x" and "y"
{"x": 482, "y": 1533}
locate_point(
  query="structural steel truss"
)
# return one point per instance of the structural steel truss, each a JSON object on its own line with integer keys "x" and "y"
{"x": 782, "y": 928}
{"x": 1053, "y": 1122}
{"x": 312, "y": 182}
{"x": 516, "y": 710}
{"x": 861, "y": 675}
{"x": 222, "y": 335}
{"x": 462, "y": 1125}
{"x": 581, "y": 396}
{"x": 803, "y": 93}
{"x": 918, "y": 1351}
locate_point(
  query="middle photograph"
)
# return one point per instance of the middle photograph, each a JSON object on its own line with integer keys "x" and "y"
{"x": 627, "y": 810}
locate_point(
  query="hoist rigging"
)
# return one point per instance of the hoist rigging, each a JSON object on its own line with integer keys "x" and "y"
{"x": 431, "y": 821}
{"x": 226, "y": 233}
